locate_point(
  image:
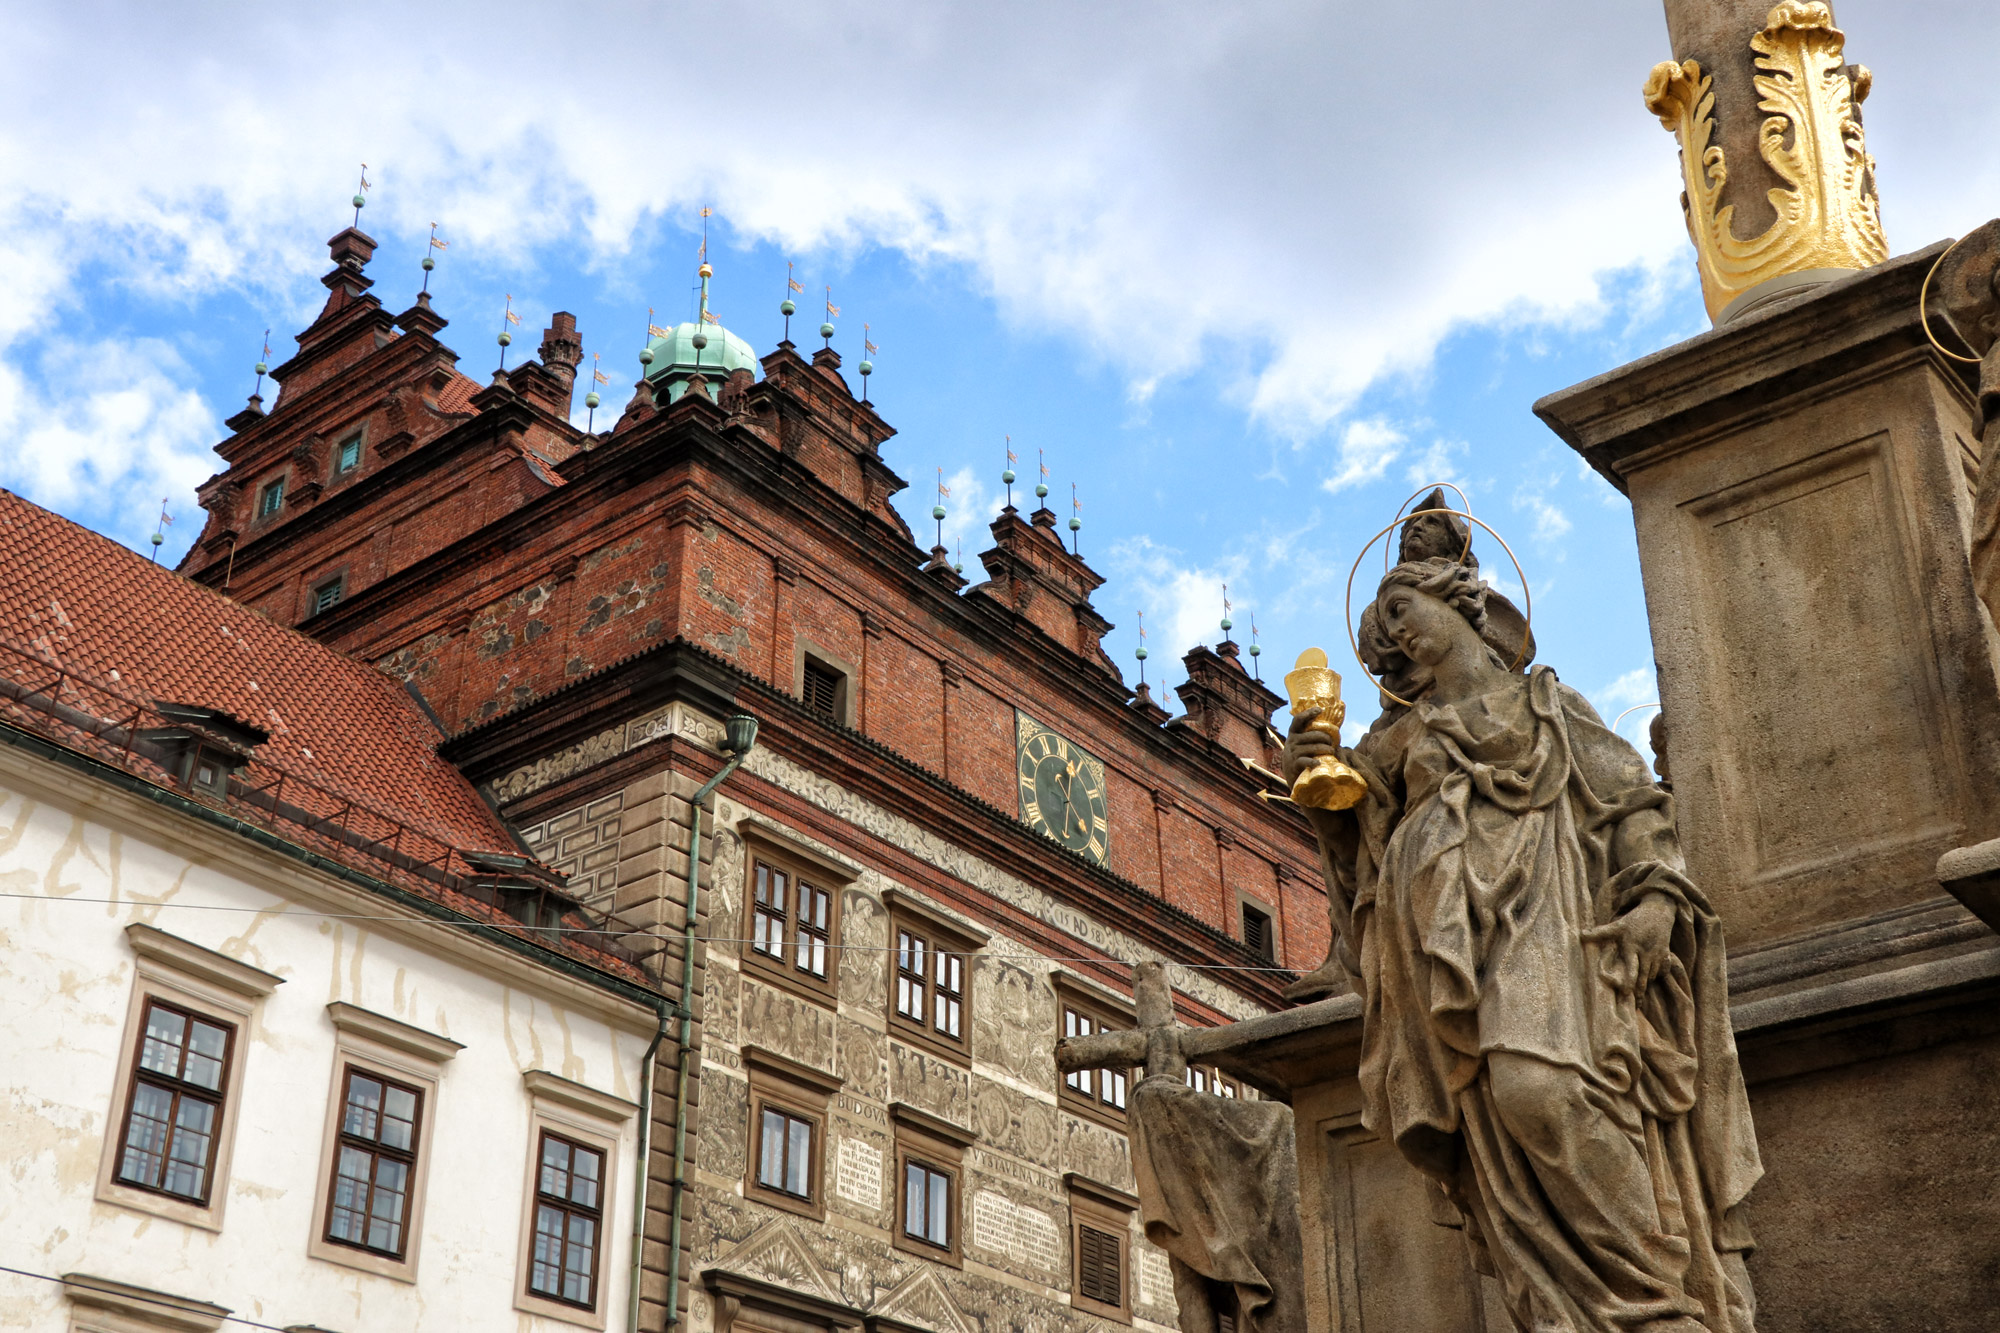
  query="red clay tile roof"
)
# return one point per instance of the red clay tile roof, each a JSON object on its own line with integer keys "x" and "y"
{"x": 456, "y": 396}
{"x": 107, "y": 611}
{"x": 340, "y": 731}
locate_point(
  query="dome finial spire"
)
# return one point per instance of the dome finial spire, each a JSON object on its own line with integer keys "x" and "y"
{"x": 361, "y": 196}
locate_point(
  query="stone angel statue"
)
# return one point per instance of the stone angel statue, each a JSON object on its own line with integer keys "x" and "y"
{"x": 1545, "y": 1008}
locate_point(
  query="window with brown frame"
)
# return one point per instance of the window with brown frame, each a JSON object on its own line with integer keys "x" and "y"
{"x": 1099, "y": 1093}
{"x": 174, "y": 1112}
{"x": 929, "y": 1151}
{"x": 569, "y": 1219}
{"x": 792, "y": 925}
{"x": 374, "y": 1157}
{"x": 1203, "y": 1079}
{"x": 788, "y": 1108}
{"x": 1100, "y": 1248}
{"x": 932, "y": 973}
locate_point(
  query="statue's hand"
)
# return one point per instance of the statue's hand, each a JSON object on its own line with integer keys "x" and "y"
{"x": 1641, "y": 937}
{"x": 1305, "y": 746}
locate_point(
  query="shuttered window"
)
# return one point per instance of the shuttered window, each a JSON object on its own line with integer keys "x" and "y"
{"x": 1100, "y": 1268}
{"x": 1257, "y": 932}
{"x": 821, "y": 689}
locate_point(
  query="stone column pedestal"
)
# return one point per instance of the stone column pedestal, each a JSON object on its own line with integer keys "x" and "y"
{"x": 1801, "y": 481}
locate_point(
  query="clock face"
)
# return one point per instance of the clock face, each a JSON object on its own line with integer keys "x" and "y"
{"x": 1062, "y": 790}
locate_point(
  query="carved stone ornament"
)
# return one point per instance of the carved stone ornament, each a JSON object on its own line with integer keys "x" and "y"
{"x": 1830, "y": 217}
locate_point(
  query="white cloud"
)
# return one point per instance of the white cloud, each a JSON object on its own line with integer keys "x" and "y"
{"x": 112, "y": 443}
{"x": 1634, "y": 690}
{"x": 1324, "y": 204}
{"x": 1436, "y": 464}
{"x": 1182, "y": 602}
{"x": 1367, "y": 448}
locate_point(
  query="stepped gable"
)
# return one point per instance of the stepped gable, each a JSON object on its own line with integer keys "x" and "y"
{"x": 91, "y": 605}
{"x": 1031, "y": 573}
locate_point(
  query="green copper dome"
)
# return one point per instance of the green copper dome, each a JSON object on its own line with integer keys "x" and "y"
{"x": 675, "y": 357}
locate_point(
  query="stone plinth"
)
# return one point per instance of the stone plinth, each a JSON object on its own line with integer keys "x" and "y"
{"x": 1801, "y": 481}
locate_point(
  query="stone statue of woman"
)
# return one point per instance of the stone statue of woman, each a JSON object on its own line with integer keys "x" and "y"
{"x": 1545, "y": 1008}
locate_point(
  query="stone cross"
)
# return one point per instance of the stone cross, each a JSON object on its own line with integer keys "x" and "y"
{"x": 1159, "y": 1044}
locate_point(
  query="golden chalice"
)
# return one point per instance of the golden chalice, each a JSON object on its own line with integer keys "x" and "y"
{"x": 1328, "y": 784}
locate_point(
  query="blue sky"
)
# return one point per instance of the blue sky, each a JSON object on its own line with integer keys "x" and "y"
{"x": 1247, "y": 276}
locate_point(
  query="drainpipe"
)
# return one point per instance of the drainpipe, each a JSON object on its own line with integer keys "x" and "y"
{"x": 742, "y": 736}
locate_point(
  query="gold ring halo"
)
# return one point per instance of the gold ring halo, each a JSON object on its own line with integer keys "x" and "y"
{"x": 1431, "y": 486}
{"x": 1923, "y": 316}
{"x": 1527, "y": 598}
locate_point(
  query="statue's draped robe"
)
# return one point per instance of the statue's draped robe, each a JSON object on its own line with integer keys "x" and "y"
{"x": 1495, "y": 832}
{"x": 1218, "y": 1191}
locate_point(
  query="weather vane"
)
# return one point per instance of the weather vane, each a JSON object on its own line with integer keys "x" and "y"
{"x": 646, "y": 348}
{"x": 832, "y": 313}
{"x": 867, "y": 367}
{"x": 1227, "y": 623}
{"x": 160, "y": 532}
{"x": 785, "y": 307}
{"x": 591, "y": 400}
{"x": 937, "y": 510}
{"x": 506, "y": 338}
{"x": 263, "y": 366}
{"x": 1140, "y": 652}
{"x": 361, "y": 196}
{"x": 1075, "y": 518}
{"x": 437, "y": 243}
{"x": 1007, "y": 473}
{"x": 1042, "y": 486}
{"x": 1256, "y": 651}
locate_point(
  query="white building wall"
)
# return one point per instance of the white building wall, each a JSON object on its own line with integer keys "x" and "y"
{"x": 79, "y": 862}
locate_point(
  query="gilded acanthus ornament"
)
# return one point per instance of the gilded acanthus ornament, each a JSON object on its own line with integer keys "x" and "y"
{"x": 1829, "y": 218}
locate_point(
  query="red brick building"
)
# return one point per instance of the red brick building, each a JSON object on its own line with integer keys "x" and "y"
{"x": 962, "y": 764}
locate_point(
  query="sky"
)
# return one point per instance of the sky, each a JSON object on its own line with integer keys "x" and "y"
{"x": 1244, "y": 276}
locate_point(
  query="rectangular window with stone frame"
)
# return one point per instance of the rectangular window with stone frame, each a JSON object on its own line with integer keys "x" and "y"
{"x": 1098, "y": 1094}
{"x": 929, "y": 1156}
{"x": 791, "y": 924}
{"x": 348, "y": 456}
{"x": 271, "y": 499}
{"x": 1100, "y": 1233}
{"x": 179, "y": 1082}
{"x": 786, "y": 1160}
{"x": 930, "y": 976}
{"x": 374, "y": 1160}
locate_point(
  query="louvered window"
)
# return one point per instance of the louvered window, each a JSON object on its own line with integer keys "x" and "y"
{"x": 350, "y": 455}
{"x": 1100, "y": 1268}
{"x": 272, "y": 499}
{"x": 1257, "y": 932}
{"x": 821, "y": 689}
{"x": 327, "y": 595}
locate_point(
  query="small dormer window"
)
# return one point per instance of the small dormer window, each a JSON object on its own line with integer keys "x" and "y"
{"x": 349, "y": 456}
{"x": 327, "y": 595}
{"x": 272, "y": 499}
{"x": 209, "y": 777}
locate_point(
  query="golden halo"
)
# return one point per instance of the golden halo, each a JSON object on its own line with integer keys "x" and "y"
{"x": 1527, "y": 598}
{"x": 1431, "y": 486}
{"x": 1923, "y": 316}
{"x": 1628, "y": 712}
